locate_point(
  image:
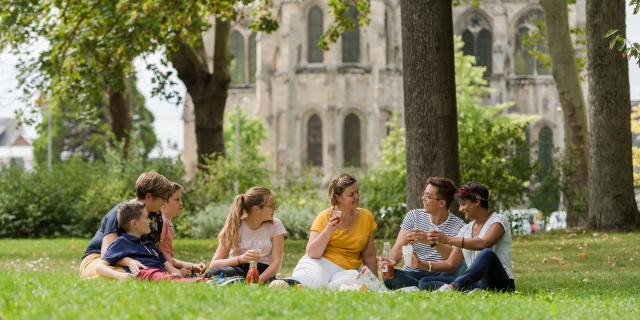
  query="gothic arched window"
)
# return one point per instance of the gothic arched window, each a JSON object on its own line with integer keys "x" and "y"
{"x": 351, "y": 39}
{"x": 478, "y": 41}
{"x": 545, "y": 151}
{"x": 236, "y": 45}
{"x": 525, "y": 63}
{"x": 314, "y": 141}
{"x": 315, "y": 30}
{"x": 252, "y": 58}
{"x": 351, "y": 141}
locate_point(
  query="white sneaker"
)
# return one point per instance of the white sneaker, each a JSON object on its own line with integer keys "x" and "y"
{"x": 474, "y": 291}
{"x": 445, "y": 288}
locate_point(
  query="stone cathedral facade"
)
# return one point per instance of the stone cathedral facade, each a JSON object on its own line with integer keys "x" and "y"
{"x": 329, "y": 109}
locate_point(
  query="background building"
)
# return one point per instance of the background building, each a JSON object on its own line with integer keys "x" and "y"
{"x": 330, "y": 109}
{"x": 14, "y": 147}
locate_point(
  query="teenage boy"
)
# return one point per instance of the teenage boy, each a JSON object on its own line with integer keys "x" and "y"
{"x": 152, "y": 190}
{"x": 134, "y": 220}
{"x": 436, "y": 200}
{"x": 171, "y": 210}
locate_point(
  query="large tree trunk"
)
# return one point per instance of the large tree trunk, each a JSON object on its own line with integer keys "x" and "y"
{"x": 121, "y": 114}
{"x": 429, "y": 94}
{"x": 208, "y": 90}
{"x": 565, "y": 74}
{"x": 611, "y": 198}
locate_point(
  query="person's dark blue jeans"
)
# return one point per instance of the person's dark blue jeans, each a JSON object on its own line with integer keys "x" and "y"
{"x": 486, "y": 272}
{"x": 405, "y": 278}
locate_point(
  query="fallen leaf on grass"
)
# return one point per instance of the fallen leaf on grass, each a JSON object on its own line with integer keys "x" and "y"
{"x": 560, "y": 260}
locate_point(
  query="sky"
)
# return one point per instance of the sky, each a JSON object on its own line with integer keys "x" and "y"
{"x": 168, "y": 117}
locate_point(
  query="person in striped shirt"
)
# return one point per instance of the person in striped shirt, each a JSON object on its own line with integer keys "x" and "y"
{"x": 436, "y": 200}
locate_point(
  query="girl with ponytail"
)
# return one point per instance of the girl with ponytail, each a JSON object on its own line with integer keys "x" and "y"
{"x": 250, "y": 233}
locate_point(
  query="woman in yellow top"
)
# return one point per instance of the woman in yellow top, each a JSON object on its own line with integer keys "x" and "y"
{"x": 338, "y": 243}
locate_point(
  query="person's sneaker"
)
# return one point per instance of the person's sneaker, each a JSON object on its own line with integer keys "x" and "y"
{"x": 474, "y": 291}
{"x": 445, "y": 288}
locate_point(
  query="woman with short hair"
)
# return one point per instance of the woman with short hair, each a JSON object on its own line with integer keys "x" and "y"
{"x": 484, "y": 243}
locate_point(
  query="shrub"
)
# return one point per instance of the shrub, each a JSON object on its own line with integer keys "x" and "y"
{"x": 70, "y": 198}
{"x": 296, "y": 219}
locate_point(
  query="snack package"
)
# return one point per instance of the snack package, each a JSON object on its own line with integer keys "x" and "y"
{"x": 369, "y": 280}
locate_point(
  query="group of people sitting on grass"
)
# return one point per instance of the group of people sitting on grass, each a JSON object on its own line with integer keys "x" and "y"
{"x": 135, "y": 240}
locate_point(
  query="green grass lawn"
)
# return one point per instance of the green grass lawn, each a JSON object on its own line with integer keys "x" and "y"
{"x": 561, "y": 275}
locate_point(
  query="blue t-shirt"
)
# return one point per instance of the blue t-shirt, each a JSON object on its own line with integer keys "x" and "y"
{"x": 109, "y": 224}
{"x": 135, "y": 248}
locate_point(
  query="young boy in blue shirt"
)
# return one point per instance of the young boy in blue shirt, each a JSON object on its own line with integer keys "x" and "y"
{"x": 133, "y": 218}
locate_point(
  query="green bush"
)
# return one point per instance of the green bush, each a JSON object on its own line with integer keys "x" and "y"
{"x": 41, "y": 203}
{"x": 296, "y": 219}
{"x": 299, "y": 199}
{"x": 71, "y": 198}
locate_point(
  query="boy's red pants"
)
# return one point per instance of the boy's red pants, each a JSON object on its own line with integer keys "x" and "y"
{"x": 155, "y": 274}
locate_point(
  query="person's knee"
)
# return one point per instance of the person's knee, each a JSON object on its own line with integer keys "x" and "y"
{"x": 225, "y": 271}
{"x": 486, "y": 252}
{"x": 308, "y": 272}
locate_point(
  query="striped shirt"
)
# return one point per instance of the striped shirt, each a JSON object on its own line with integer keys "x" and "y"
{"x": 420, "y": 219}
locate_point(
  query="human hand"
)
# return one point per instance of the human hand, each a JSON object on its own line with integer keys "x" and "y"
{"x": 411, "y": 237}
{"x": 388, "y": 261}
{"x": 250, "y": 255}
{"x": 334, "y": 221}
{"x": 199, "y": 267}
{"x": 437, "y": 237}
{"x": 123, "y": 276}
{"x": 135, "y": 266}
{"x": 419, "y": 236}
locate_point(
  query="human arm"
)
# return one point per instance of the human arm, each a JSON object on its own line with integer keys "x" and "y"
{"x": 443, "y": 249}
{"x": 277, "y": 252}
{"x": 447, "y": 265}
{"x": 495, "y": 232}
{"x": 220, "y": 257}
{"x": 171, "y": 269}
{"x": 104, "y": 270}
{"x": 318, "y": 240}
{"x": 369, "y": 254}
{"x": 133, "y": 264}
{"x": 187, "y": 268}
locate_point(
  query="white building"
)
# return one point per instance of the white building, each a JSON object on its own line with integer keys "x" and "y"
{"x": 14, "y": 147}
{"x": 330, "y": 109}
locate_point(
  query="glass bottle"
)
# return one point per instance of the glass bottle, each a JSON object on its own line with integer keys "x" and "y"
{"x": 253, "y": 276}
{"x": 386, "y": 265}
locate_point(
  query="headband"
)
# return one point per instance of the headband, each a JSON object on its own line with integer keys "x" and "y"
{"x": 469, "y": 194}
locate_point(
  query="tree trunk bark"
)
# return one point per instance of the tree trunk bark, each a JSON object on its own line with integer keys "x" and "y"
{"x": 208, "y": 90}
{"x": 612, "y": 204}
{"x": 565, "y": 74}
{"x": 121, "y": 115}
{"x": 429, "y": 94}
